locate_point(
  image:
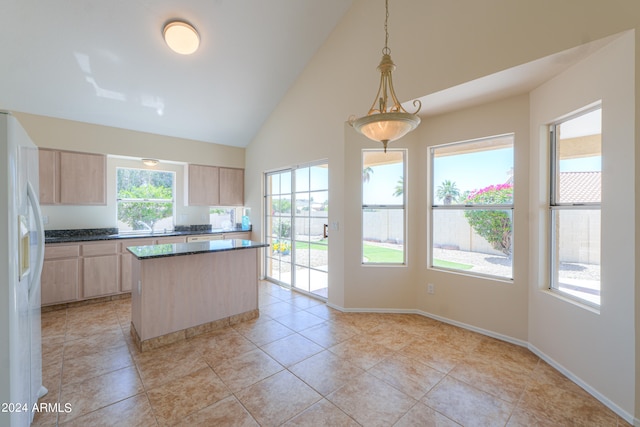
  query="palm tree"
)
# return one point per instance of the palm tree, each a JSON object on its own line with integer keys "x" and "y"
{"x": 447, "y": 191}
{"x": 366, "y": 174}
{"x": 399, "y": 191}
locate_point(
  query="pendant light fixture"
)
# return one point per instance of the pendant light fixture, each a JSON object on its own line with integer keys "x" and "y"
{"x": 386, "y": 120}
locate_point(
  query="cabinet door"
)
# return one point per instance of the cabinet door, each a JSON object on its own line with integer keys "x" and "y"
{"x": 82, "y": 179}
{"x": 59, "y": 281}
{"x": 100, "y": 275}
{"x": 172, "y": 239}
{"x": 48, "y": 170}
{"x": 203, "y": 185}
{"x": 231, "y": 187}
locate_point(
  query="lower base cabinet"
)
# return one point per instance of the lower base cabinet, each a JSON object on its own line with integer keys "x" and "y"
{"x": 100, "y": 276}
{"x": 60, "y": 281}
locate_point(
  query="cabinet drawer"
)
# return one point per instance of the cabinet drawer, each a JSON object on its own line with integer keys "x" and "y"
{"x": 99, "y": 249}
{"x": 61, "y": 251}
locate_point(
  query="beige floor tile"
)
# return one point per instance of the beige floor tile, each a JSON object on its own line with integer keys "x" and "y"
{"x": 157, "y": 368}
{"x": 522, "y": 418}
{"x": 326, "y": 372}
{"x": 363, "y": 321}
{"x": 467, "y": 405}
{"x": 371, "y": 402}
{"x": 326, "y": 312}
{"x": 278, "y": 309}
{"x": 81, "y": 368}
{"x": 323, "y": 413}
{"x": 505, "y": 354}
{"x": 493, "y": 378}
{"x": 227, "y": 412}
{"x": 548, "y": 401}
{"x": 132, "y": 412}
{"x": 392, "y": 337}
{"x": 407, "y": 375}
{"x": 247, "y": 369}
{"x": 442, "y": 357}
{"x": 98, "y": 392}
{"x": 102, "y": 342}
{"x": 221, "y": 345}
{"x": 423, "y": 416}
{"x": 453, "y": 336}
{"x": 187, "y": 395}
{"x": 263, "y": 332}
{"x": 361, "y": 351}
{"x": 304, "y": 302}
{"x": 328, "y": 334}
{"x": 291, "y": 349}
{"x": 293, "y": 397}
{"x": 54, "y": 324}
{"x": 299, "y": 320}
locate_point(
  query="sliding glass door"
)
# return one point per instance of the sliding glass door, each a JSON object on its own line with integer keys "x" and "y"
{"x": 296, "y": 227}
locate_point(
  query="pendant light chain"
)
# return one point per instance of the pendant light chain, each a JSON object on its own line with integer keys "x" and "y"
{"x": 386, "y": 50}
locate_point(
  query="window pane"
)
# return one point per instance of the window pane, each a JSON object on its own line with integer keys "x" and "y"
{"x": 319, "y": 178}
{"x": 383, "y": 236}
{"x": 145, "y": 200}
{"x": 579, "y": 159}
{"x": 474, "y": 241}
{"x": 302, "y": 179}
{"x": 475, "y": 172}
{"x": 382, "y": 177}
{"x": 576, "y": 255}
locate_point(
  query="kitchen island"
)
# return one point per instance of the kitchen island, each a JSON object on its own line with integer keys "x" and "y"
{"x": 185, "y": 289}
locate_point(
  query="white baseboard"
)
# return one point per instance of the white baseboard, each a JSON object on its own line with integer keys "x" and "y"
{"x": 603, "y": 399}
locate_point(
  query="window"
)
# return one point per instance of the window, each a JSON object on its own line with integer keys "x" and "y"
{"x": 145, "y": 200}
{"x": 576, "y": 169}
{"x": 472, "y": 206}
{"x": 383, "y": 207}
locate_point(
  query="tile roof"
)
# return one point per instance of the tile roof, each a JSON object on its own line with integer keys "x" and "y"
{"x": 580, "y": 187}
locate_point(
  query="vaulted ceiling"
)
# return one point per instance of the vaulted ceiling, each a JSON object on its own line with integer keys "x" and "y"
{"x": 105, "y": 62}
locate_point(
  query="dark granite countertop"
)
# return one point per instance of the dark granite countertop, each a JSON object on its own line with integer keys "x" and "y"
{"x": 91, "y": 235}
{"x": 177, "y": 249}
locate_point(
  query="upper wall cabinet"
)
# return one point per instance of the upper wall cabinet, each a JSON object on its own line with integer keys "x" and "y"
{"x": 231, "y": 187}
{"x": 203, "y": 185}
{"x": 70, "y": 178}
{"x": 215, "y": 186}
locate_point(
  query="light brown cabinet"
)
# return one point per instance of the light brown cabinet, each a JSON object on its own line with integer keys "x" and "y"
{"x": 100, "y": 272}
{"x": 60, "y": 274}
{"x": 215, "y": 186}
{"x": 48, "y": 166}
{"x": 231, "y": 187}
{"x": 203, "y": 185}
{"x": 71, "y": 178}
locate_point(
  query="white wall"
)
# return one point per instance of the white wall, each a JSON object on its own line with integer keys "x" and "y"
{"x": 595, "y": 346}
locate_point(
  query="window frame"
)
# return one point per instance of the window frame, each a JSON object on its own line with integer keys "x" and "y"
{"x": 556, "y": 206}
{"x": 390, "y": 207}
{"x": 433, "y": 207}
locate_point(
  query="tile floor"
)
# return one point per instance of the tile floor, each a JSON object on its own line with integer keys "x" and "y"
{"x": 301, "y": 364}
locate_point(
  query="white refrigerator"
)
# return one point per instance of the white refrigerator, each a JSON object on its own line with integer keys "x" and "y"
{"x": 21, "y": 257}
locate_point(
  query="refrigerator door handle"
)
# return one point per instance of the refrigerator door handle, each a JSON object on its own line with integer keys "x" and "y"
{"x": 33, "y": 198}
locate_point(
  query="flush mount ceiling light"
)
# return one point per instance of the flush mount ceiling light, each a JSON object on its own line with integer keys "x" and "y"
{"x": 386, "y": 120}
{"x": 181, "y": 37}
{"x": 150, "y": 162}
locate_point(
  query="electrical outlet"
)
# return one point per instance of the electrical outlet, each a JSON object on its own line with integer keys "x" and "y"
{"x": 45, "y": 219}
{"x": 431, "y": 289}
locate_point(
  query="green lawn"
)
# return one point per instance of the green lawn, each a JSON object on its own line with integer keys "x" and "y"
{"x": 380, "y": 254}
